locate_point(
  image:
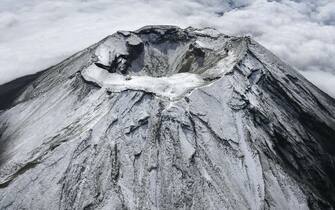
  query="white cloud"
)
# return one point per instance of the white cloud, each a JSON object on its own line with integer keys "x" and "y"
{"x": 37, "y": 34}
{"x": 324, "y": 80}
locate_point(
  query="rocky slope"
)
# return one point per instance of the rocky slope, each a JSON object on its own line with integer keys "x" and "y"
{"x": 167, "y": 118}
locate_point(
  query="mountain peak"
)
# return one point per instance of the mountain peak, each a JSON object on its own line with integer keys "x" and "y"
{"x": 164, "y": 60}
{"x": 167, "y": 118}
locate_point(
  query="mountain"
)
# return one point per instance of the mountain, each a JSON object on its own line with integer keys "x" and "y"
{"x": 167, "y": 118}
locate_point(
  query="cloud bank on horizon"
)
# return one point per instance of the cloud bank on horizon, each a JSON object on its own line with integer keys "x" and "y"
{"x": 37, "y": 34}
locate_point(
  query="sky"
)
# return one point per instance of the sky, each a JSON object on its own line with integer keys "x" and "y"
{"x": 36, "y": 34}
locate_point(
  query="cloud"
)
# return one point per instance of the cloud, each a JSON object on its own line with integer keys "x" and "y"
{"x": 294, "y": 31}
{"x": 324, "y": 80}
{"x": 37, "y": 34}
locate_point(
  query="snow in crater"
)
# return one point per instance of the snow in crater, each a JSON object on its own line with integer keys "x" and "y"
{"x": 167, "y": 70}
{"x": 171, "y": 87}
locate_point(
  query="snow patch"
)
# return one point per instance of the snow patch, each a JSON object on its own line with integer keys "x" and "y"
{"x": 171, "y": 87}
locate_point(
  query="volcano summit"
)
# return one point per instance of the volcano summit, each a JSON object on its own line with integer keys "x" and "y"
{"x": 167, "y": 118}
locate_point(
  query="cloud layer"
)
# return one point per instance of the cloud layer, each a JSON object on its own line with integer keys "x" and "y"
{"x": 37, "y": 34}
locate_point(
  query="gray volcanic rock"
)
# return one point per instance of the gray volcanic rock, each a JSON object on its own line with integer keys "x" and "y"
{"x": 167, "y": 118}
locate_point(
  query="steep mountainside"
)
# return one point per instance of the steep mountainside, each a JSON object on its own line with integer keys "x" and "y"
{"x": 167, "y": 118}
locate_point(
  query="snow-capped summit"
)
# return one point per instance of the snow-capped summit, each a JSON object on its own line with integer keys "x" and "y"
{"x": 167, "y": 118}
